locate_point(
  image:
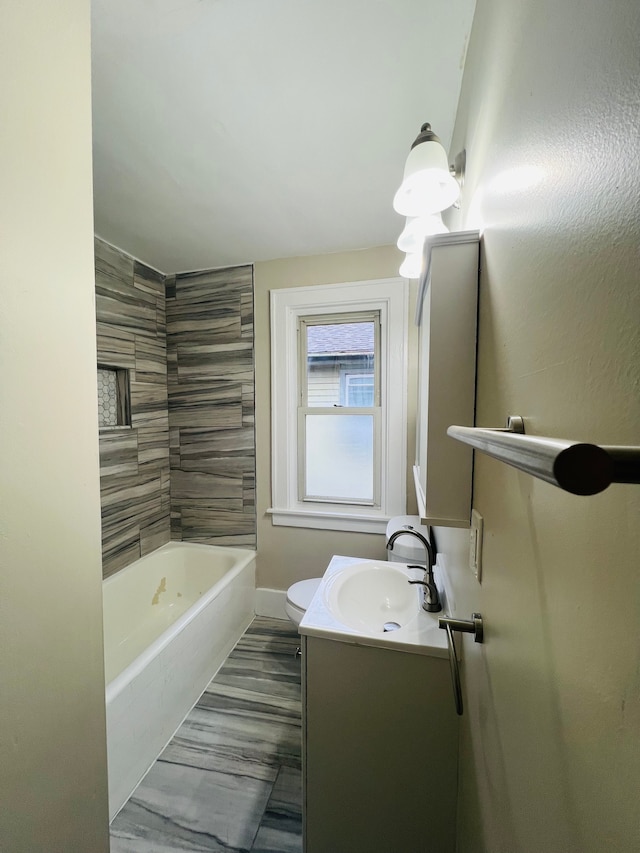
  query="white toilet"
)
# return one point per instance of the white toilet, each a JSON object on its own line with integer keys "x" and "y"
{"x": 299, "y": 597}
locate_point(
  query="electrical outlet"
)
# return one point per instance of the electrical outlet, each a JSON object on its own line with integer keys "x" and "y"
{"x": 475, "y": 544}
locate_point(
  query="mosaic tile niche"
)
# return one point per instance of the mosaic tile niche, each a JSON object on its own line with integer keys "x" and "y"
{"x": 107, "y": 398}
{"x": 211, "y": 406}
{"x": 114, "y": 406}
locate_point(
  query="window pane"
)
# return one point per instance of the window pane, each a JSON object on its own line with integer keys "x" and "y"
{"x": 336, "y": 353}
{"x": 339, "y": 457}
{"x": 359, "y": 389}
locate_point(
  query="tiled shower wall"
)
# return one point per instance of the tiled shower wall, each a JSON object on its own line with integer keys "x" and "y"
{"x": 134, "y": 461}
{"x": 206, "y": 319}
{"x": 211, "y": 406}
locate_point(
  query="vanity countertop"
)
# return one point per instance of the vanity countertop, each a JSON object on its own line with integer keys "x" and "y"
{"x": 419, "y": 635}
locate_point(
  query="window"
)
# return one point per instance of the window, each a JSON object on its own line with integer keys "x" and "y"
{"x": 338, "y": 427}
{"x": 339, "y": 404}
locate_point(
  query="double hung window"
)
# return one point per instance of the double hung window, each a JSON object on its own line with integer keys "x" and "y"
{"x": 339, "y": 404}
{"x": 339, "y": 411}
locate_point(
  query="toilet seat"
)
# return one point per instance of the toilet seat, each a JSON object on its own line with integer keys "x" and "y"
{"x": 299, "y": 597}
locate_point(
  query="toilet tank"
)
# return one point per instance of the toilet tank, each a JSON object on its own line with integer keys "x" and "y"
{"x": 407, "y": 549}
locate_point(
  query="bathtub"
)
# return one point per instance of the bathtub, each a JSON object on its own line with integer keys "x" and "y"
{"x": 170, "y": 620}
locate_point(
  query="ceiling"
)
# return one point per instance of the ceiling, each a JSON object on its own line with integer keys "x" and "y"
{"x": 233, "y": 131}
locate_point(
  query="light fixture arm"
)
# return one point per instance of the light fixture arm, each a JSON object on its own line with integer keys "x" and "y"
{"x": 458, "y": 167}
{"x": 425, "y": 135}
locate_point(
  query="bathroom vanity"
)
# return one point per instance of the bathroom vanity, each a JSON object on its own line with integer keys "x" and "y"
{"x": 380, "y": 731}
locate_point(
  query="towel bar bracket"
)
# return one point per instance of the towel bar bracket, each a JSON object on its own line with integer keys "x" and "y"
{"x": 515, "y": 424}
{"x": 465, "y": 626}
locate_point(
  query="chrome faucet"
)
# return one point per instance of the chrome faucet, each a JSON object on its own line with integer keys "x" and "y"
{"x": 431, "y": 601}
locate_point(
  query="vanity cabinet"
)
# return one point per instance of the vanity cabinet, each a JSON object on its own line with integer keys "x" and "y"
{"x": 446, "y": 313}
{"x": 380, "y": 742}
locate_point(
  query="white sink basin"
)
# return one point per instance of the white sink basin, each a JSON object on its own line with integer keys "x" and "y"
{"x": 367, "y": 596}
{"x": 355, "y": 599}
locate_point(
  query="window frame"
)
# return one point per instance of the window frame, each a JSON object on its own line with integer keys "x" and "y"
{"x": 341, "y": 409}
{"x": 389, "y": 297}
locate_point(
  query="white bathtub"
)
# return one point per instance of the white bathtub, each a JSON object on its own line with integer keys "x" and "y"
{"x": 170, "y": 620}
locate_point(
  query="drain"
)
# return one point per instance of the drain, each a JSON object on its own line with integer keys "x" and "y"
{"x": 390, "y": 626}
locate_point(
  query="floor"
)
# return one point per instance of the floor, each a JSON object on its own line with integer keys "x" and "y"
{"x": 230, "y": 779}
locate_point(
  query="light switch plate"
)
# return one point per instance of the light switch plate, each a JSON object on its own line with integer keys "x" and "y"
{"x": 475, "y": 544}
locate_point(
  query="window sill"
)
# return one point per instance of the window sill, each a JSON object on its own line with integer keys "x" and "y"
{"x": 328, "y": 520}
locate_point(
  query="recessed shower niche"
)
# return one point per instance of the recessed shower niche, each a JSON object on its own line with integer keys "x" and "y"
{"x": 114, "y": 397}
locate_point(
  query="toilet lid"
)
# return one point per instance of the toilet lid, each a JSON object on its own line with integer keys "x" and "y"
{"x": 301, "y": 593}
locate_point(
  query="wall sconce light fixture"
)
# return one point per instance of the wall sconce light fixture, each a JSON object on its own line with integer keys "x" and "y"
{"x": 429, "y": 186}
{"x": 417, "y": 228}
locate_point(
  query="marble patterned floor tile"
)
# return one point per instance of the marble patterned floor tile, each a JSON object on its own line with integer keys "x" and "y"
{"x": 230, "y": 778}
{"x": 226, "y": 739}
{"x": 281, "y": 826}
{"x": 219, "y": 751}
{"x": 272, "y": 635}
{"x": 183, "y": 808}
{"x": 253, "y": 678}
{"x": 263, "y": 673}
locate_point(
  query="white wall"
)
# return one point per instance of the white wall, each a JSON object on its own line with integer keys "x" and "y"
{"x": 288, "y": 554}
{"x": 550, "y": 118}
{"x": 53, "y": 783}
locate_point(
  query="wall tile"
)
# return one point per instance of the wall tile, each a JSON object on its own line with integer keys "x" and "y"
{"x": 118, "y": 453}
{"x": 211, "y": 406}
{"x": 148, "y": 280}
{"x": 217, "y": 526}
{"x": 186, "y": 468}
{"x": 196, "y": 486}
{"x": 113, "y": 561}
{"x": 112, "y": 266}
{"x": 151, "y": 360}
{"x": 116, "y": 346}
{"x": 226, "y": 361}
{"x": 131, "y": 333}
{"x": 205, "y": 404}
{"x": 198, "y": 328}
{"x": 153, "y": 535}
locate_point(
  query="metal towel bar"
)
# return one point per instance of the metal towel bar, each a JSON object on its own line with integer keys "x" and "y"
{"x": 576, "y": 467}
{"x": 466, "y": 626}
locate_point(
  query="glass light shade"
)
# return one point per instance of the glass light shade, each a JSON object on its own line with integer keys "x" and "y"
{"x": 417, "y": 228}
{"x": 428, "y": 186}
{"x": 411, "y": 267}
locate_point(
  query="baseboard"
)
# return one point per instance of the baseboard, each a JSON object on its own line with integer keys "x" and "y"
{"x": 270, "y": 602}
